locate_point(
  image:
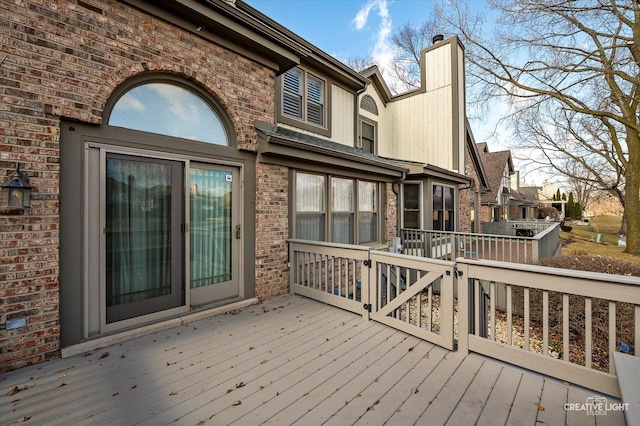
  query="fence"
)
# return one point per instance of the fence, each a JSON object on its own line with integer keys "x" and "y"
{"x": 566, "y": 324}
{"x": 448, "y": 245}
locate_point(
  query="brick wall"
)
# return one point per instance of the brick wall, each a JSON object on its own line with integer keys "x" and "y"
{"x": 272, "y": 230}
{"x": 391, "y": 213}
{"x": 63, "y": 59}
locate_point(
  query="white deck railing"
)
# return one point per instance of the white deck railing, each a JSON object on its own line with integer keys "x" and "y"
{"x": 448, "y": 245}
{"x": 580, "y": 319}
{"x": 562, "y": 323}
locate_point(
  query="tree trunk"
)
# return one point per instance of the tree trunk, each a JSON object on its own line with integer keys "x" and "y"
{"x": 623, "y": 225}
{"x": 632, "y": 207}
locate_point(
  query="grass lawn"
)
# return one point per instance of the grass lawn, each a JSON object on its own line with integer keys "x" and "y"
{"x": 582, "y": 239}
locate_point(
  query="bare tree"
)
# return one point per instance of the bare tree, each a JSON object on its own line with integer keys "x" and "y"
{"x": 570, "y": 71}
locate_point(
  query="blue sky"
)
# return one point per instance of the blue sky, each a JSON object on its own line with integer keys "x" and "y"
{"x": 356, "y": 28}
{"x": 345, "y": 28}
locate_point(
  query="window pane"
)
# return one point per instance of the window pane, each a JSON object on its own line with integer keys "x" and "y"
{"x": 342, "y": 208}
{"x": 411, "y": 193}
{"x": 315, "y": 100}
{"x": 411, "y": 219}
{"x": 342, "y": 228}
{"x": 367, "y": 196}
{"x": 411, "y": 206}
{"x": 310, "y": 207}
{"x": 309, "y": 193}
{"x": 367, "y": 209}
{"x": 210, "y": 228}
{"x": 168, "y": 110}
{"x": 368, "y": 227}
{"x": 437, "y": 197}
{"x": 315, "y": 90}
{"x": 138, "y": 230}
{"x": 292, "y": 93}
{"x": 448, "y": 198}
{"x": 315, "y": 113}
{"x": 310, "y": 226}
{"x": 341, "y": 195}
{"x": 368, "y": 137}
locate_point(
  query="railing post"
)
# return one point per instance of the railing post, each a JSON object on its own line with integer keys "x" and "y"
{"x": 461, "y": 280}
{"x": 535, "y": 249}
{"x": 293, "y": 270}
{"x": 365, "y": 286}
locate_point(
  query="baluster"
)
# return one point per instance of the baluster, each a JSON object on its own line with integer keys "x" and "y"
{"x": 545, "y": 323}
{"x": 588, "y": 339}
{"x": 492, "y": 296}
{"x": 527, "y": 336}
{"x": 509, "y": 317}
{"x": 565, "y": 327}
{"x": 612, "y": 336}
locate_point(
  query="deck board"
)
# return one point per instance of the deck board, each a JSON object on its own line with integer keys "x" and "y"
{"x": 289, "y": 360}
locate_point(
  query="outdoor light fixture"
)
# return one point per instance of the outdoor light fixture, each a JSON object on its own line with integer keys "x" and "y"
{"x": 16, "y": 193}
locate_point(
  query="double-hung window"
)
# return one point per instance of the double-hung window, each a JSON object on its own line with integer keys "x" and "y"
{"x": 443, "y": 208}
{"x": 353, "y": 206}
{"x": 304, "y": 97}
{"x": 368, "y": 137}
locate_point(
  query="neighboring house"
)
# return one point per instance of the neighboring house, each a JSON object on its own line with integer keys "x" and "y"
{"x": 496, "y": 202}
{"x": 173, "y": 148}
{"x": 507, "y": 198}
{"x": 524, "y": 203}
{"x": 531, "y": 203}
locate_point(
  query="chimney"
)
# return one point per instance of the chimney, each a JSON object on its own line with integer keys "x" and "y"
{"x": 437, "y": 38}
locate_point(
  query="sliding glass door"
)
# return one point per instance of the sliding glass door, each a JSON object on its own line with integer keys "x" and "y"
{"x": 143, "y": 241}
{"x": 214, "y": 233}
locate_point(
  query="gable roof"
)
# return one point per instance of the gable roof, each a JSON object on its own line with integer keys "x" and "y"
{"x": 494, "y": 164}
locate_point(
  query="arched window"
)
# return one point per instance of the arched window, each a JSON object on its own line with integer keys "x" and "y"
{"x": 368, "y": 104}
{"x": 170, "y": 109}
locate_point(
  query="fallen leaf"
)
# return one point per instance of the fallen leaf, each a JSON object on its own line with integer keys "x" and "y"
{"x": 414, "y": 390}
{"x": 237, "y": 402}
{"x": 104, "y": 355}
{"x": 14, "y": 390}
{"x": 239, "y": 385}
{"x": 62, "y": 376}
{"x": 115, "y": 394}
{"x": 23, "y": 419}
{"x": 123, "y": 356}
{"x": 229, "y": 390}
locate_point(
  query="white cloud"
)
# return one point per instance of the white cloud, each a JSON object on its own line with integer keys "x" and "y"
{"x": 382, "y": 52}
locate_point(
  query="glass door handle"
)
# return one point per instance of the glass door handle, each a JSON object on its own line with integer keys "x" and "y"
{"x": 237, "y": 232}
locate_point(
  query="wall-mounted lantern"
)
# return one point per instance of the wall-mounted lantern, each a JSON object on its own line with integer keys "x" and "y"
{"x": 16, "y": 192}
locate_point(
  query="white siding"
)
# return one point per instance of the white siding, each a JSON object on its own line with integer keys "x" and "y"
{"x": 342, "y": 118}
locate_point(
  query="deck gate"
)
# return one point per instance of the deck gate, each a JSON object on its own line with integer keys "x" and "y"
{"x": 412, "y": 294}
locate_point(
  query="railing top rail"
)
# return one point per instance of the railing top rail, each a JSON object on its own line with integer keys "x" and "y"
{"x": 538, "y": 236}
{"x": 332, "y": 245}
{"x": 467, "y": 234}
{"x": 399, "y": 257}
{"x": 549, "y": 271}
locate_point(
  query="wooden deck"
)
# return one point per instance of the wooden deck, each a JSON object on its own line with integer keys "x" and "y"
{"x": 290, "y": 360}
